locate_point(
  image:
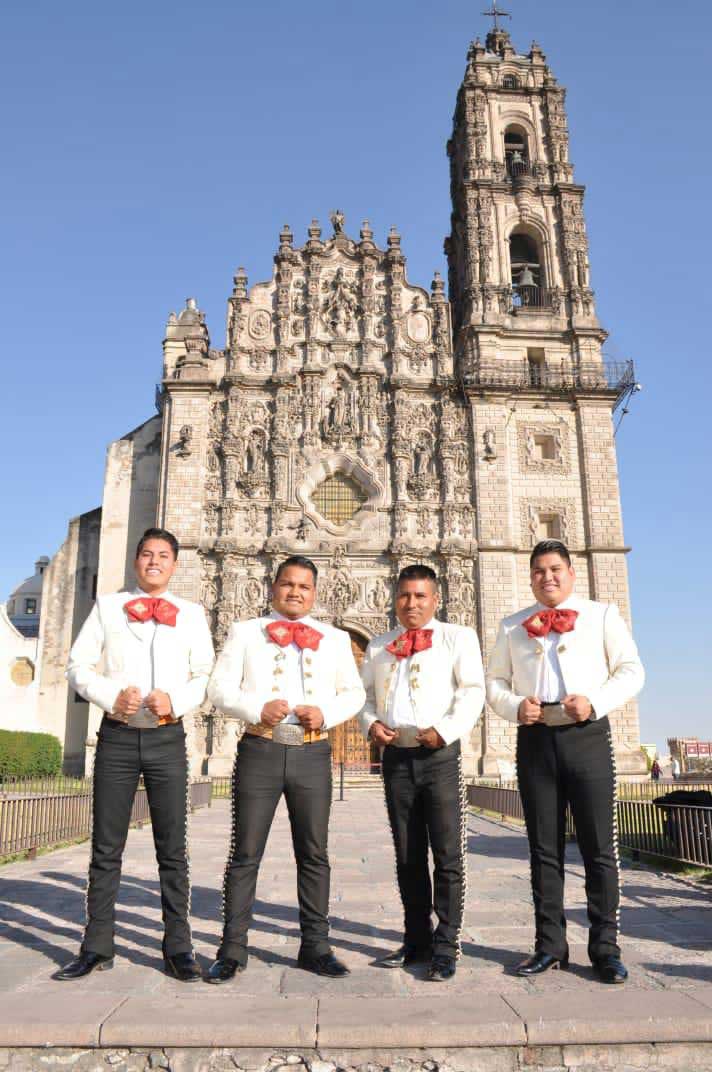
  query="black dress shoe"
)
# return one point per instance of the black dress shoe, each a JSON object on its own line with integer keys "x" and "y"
{"x": 323, "y": 964}
{"x": 610, "y": 969}
{"x": 83, "y": 965}
{"x": 182, "y": 966}
{"x": 406, "y": 954}
{"x": 223, "y": 970}
{"x": 441, "y": 968}
{"x": 541, "y": 962}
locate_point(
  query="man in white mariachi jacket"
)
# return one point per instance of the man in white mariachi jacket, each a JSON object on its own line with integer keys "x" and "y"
{"x": 158, "y": 655}
{"x": 424, "y": 692}
{"x": 558, "y": 667}
{"x": 291, "y": 679}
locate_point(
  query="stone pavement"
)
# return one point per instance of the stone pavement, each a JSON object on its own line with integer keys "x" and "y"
{"x": 667, "y": 942}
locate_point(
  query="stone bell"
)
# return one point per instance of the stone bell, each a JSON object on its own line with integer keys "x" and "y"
{"x": 526, "y": 279}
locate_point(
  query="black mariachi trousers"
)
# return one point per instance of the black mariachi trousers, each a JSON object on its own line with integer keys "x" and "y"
{"x": 424, "y": 796}
{"x": 122, "y": 755}
{"x": 574, "y": 765}
{"x": 263, "y": 771}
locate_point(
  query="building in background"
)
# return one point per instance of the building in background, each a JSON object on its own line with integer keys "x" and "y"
{"x": 370, "y": 422}
{"x": 25, "y": 603}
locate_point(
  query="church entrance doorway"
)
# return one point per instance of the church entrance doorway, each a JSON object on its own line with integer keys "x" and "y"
{"x": 348, "y": 744}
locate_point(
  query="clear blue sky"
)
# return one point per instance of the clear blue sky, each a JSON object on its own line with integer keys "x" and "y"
{"x": 151, "y": 148}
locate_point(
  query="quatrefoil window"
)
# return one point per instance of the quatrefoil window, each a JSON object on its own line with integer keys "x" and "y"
{"x": 338, "y": 498}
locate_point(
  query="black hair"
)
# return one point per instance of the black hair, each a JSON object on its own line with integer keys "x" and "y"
{"x": 549, "y": 547}
{"x": 296, "y": 560}
{"x": 417, "y": 572}
{"x": 158, "y": 534}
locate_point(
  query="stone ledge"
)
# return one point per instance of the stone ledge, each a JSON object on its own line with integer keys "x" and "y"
{"x": 206, "y": 1019}
{"x": 479, "y": 1020}
{"x": 52, "y": 1018}
{"x": 60, "y": 1016}
{"x": 613, "y": 1015}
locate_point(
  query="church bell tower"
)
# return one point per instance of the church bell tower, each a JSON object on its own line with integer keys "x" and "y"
{"x": 528, "y": 351}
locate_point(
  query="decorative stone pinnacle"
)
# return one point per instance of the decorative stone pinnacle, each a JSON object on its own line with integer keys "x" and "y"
{"x": 239, "y": 289}
{"x": 438, "y": 287}
{"x": 314, "y": 231}
{"x": 394, "y": 239}
{"x": 366, "y": 233}
{"x": 286, "y": 237}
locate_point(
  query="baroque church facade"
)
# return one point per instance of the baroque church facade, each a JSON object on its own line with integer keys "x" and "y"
{"x": 369, "y": 422}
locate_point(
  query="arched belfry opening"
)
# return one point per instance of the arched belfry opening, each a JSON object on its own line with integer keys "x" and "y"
{"x": 516, "y": 151}
{"x": 527, "y": 272}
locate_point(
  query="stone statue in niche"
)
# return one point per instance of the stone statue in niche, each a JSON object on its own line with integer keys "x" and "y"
{"x": 341, "y": 304}
{"x": 255, "y": 455}
{"x": 530, "y": 445}
{"x": 255, "y": 478}
{"x": 339, "y": 420}
{"x": 185, "y": 436}
{"x": 378, "y": 597}
{"x": 421, "y": 465}
{"x": 421, "y": 482}
{"x": 402, "y": 469}
{"x": 490, "y": 449}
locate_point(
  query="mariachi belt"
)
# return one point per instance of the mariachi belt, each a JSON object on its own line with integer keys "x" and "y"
{"x": 286, "y": 733}
{"x": 143, "y": 720}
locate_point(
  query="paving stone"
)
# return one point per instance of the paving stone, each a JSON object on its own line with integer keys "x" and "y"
{"x": 618, "y": 1014}
{"x": 212, "y": 1020}
{"x": 416, "y": 1021}
{"x": 55, "y": 1019}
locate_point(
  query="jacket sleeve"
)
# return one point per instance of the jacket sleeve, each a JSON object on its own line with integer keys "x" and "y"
{"x": 626, "y": 674}
{"x": 81, "y": 672}
{"x": 469, "y": 695}
{"x": 225, "y": 688}
{"x": 350, "y": 694}
{"x": 190, "y": 695}
{"x": 500, "y": 696}
{"x": 368, "y": 713}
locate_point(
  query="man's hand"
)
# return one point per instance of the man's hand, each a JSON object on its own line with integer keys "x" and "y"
{"x": 577, "y": 707}
{"x": 380, "y": 733}
{"x": 159, "y": 703}
{"x": 310, "y": 717}
{"x": 529, "y": 711}
{"x": 273, "y": 712}
{"x": 430, "y": 738}
{"x": 127, "y": 703}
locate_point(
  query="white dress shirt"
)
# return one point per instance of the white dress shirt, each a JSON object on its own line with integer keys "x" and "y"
{"x": 399, "y": 708}
{"x": 550, "y": 682}
{"x": 294, "y": 667}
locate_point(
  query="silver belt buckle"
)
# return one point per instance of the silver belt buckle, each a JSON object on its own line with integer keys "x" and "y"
{"x": 288, "y": 733}
{"x": 555, "y": 715}
{"x": 406, "y": 737}
{"x": 143, "y": 720}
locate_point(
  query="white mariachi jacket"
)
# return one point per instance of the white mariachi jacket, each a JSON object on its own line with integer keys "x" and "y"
{"x": 446, "y": 682}
{"x": 598, "y": 659}
{"x": 244, "y": 678}
{"x": 182, "y": 654}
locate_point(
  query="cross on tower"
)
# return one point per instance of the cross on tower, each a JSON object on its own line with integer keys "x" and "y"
{"x": 495, "y": 13}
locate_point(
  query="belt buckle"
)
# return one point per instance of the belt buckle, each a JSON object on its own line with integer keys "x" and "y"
{"x": 143, "y": 720}
{"x": 288, "y": 733}
{"x": 406, "y": 737}
{"x": 554, "y": 714}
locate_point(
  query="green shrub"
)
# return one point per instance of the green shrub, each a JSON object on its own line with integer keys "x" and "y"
{"x": 29, "y": 754}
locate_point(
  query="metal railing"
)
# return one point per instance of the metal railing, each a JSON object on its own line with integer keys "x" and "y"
{"x": 530, "y": 296}
{"x": 38, "y": 813}
{"x": 674, "y": 831}
{"x": 604, "y": 376}
{"x": 515, "y": 168}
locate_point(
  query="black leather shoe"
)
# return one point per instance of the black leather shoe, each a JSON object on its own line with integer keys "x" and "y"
{"x": 223, "y": 970}
{"x": 323, "y": 964}
{"x": 441, "y": 968}
{"x": 610, "y": 969}
{"x": 541, "y": 962}
{"x": 182, "y": 966}
{"x": 406, "y": 954}
{"x": 83, "y": 965}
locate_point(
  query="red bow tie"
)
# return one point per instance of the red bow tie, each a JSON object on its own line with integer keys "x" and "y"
{"x": 144, "y": 608}
{"x": 411, "y": 641}
{"x": 284, "y": 633}
{"x": 544, "y": 621}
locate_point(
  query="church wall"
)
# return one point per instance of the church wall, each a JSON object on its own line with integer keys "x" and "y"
{"x": 68, "y": 597}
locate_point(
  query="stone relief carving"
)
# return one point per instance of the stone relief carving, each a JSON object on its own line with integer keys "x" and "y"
{"x": 551, "y": 455}
{"x": 559, "y": 513}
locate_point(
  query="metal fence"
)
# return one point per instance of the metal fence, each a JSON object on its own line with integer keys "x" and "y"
{"x": 674, "y": 831}
{"x": 38, "y": 813}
